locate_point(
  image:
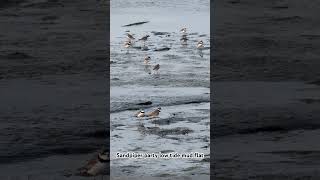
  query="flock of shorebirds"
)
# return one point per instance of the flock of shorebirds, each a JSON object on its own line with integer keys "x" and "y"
{"x": 131, "y": 40}
{"x": 99, "y": 164}
{"x": 183, "y": 39}
{"x": 128, "y": 44}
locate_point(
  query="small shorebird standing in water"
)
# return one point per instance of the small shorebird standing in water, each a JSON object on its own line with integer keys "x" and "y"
{"x": 154, "y": 113}
{"x": 147, "y": 66}
{"x": 140, "y": 114}
{"x": 200, "y": 44}
{"x": 130, "y": 37}
{"x": 183, "y": 30}
{"x": 96, "y": 166}
{"x": 156, "y": 67}
{"x": 147, "y": 59}
{"x": 127, "y": 45}
{"x": 144, "y": 39}
{"x": 184, "y": 38}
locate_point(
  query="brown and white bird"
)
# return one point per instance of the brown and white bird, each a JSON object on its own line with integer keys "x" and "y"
{"x": 154, "y": 113}
{"x": 130, "y": 37}
{"x": 127, "y": 44}
{"x": 183, "y": 30}
{"x": 144, "y": 39}
{"x": 200, "y": 45}
{"x": 140, "y": 114}
{"x": 97, "y": 166}
{"x": 147, "y": 59}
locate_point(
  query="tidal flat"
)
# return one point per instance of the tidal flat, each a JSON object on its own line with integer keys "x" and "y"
{"x": 181, "y": 88}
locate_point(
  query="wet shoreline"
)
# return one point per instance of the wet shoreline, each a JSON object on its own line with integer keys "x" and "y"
{"x": 265, "y": 106}
{"x": 180, "y": 88}
{"x": 53, "y": 79}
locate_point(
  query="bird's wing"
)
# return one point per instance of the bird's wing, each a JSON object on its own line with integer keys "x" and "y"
{"x": 144, "y": 37}
{"x": 130, "y": 36}
{"x": 151, "y": 113}
{"x": 136, "y": 114}
{"x": 156, "y": 67}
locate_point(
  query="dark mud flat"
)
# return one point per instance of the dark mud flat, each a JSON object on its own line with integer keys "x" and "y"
{"x": 266, "y": 110}
{"x": 53, "y": 81}
{"x": 270, "y": 46}
{"x": 275, "y": 134}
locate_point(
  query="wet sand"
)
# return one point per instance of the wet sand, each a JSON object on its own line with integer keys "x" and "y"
{"x": 266, "y": 91}
{"x": 180, "y": 88}
{"x": 53, "y": 81}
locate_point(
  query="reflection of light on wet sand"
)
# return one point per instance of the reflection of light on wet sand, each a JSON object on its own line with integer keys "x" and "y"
{"x": 166, "y": 16}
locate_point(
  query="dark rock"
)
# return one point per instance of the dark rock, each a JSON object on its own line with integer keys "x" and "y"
{"x": 163, "y": 49}
{"x": 135, "y": 24}
{"x": 159, "y": 33}
{"x": 145, "y": 103}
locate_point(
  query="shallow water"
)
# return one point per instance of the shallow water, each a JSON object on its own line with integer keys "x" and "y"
{"x": 164, "y": 15}
{"x": 56, "y": 122}
{"x": 181, "y": 129}
{"x": 180, "y": 87}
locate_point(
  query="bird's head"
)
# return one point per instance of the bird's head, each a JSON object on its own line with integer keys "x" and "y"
{"x": 104, "y": 155}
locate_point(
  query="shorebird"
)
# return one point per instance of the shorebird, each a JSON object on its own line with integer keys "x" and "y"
{"x": 156, "y": 67}
{"x": 200, "y": 45}
{"x": 155, "y": 113}
{"x": 130, "y": 36}
{"x": 140, "y": 114}
{"x": 96, "y": 166}
{"x": 127, "y": 44}
{"x": 183, "y": 30}
{"x": 144, "y": 39}
{"x": 147, "y": 59}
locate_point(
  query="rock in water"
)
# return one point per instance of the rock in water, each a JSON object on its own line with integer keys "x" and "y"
{"x": 135, "y": 24}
